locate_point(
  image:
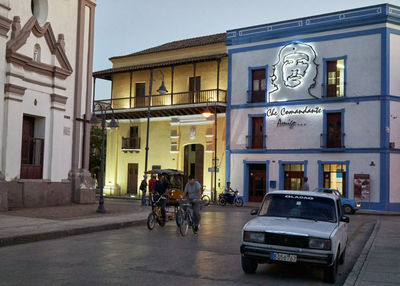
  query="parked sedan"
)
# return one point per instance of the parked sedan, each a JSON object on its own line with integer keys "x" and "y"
{"x": 349, "y": 206}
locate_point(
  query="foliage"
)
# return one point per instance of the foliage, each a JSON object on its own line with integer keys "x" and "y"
{"x": 95, "y": 149}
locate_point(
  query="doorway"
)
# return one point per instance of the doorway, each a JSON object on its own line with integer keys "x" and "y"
{"x": 31, "y": 150}
{"x": 257, "y": 182}
{"x": 293, "y": 176}
{"x": 132, "y": 187}
{"x": 335, "y": 177}
{"x": 194, "y": 162}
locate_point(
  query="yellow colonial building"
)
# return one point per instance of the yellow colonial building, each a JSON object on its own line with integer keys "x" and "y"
{"x": 194, "y": 73}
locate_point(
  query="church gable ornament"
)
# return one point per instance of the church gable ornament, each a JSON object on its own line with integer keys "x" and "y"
{"x": 19, "y": 37}
{"x": 294, "y": 74}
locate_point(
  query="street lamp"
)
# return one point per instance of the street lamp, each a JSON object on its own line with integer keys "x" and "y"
{"x": 162, "y": 90}
{"x": 207, "y": 113}
{"x": 102, "y": 107}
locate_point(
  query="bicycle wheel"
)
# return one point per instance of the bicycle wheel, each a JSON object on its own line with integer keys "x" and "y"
{"x": 206, "y": 200}
{"x": 239, "y": 202}
{"x": 184, "y": 227}
{"x": 179, "y": 217}
{"x": 151, "y": 220}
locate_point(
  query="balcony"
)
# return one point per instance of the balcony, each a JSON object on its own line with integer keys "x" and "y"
{"x": 256, "y": 96}
{"x": 131, "y": 144}
{"x": 332, "y": 141}
{"x": 169, "y": 99}
{"x": 256, "y": 141}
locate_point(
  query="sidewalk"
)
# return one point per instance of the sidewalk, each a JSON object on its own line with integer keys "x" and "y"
{"x": 378, "y": 263}
{"x": 28, "y": 225}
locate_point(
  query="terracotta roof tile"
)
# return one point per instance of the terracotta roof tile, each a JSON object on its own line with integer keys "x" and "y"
{"x": 187, "y": 43}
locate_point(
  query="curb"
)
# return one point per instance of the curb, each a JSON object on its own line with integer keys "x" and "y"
{"x": 28, "y": 238}
{"x": 352, "y": 278}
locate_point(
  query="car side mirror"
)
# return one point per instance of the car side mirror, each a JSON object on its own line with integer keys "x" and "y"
{"x": 254, "y": 212}
{"x": 345, "y": 219}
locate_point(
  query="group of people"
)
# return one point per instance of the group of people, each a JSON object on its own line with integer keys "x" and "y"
{"x": 160, "y": 187}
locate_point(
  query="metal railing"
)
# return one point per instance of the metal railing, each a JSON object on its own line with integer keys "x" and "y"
{"x": 326, "y": 142}
{"x": 131, "y": 143}
{"x": 168, "y": 99}
{"x": 256, "y": 141}
{"x": 256, "y": 96}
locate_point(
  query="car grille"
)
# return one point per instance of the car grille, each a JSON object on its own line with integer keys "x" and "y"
{"x": 286, "y": 240}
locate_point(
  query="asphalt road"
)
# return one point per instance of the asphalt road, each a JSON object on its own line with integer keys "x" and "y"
{"x": 137, "y": 256}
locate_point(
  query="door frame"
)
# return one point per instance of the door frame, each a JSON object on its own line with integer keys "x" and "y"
{"x": 282, "y": 171}
{"x": 137, "y": 179}
{"x": 321, "y": 174}
{"x": 246, "y": 177}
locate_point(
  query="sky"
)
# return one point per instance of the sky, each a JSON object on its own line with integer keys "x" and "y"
{"x": 127, "y": 26}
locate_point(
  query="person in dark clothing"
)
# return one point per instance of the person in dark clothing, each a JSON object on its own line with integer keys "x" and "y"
{"x": 152, "y": 185}
{"x": 161, "y": 188}
{"x": 143, "y": 188}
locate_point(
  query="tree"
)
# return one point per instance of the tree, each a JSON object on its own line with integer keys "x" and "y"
{"x": 95, "y": 150}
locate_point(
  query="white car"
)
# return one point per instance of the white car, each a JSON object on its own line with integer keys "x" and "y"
{"x": 296, "y": 227}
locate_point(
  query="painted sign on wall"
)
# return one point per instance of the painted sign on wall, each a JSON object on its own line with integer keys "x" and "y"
{"x": 362, "y": 187}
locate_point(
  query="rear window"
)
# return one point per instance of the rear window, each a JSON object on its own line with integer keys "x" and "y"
{"x": 299, "y": 206}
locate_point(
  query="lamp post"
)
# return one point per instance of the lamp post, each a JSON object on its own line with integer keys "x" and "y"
{"x": 102, "y": 107}
{"x": 161, "y": 90}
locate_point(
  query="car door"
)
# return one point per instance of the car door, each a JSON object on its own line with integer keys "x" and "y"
{"x": 342, "y": 227}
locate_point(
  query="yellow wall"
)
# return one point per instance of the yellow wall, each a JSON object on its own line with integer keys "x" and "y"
{"x": 159, "y": 151}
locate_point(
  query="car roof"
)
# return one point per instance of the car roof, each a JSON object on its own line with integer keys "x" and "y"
{"x": 305, "y": 193}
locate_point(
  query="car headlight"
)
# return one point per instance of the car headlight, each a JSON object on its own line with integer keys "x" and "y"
{"x": 358, "y": 205}
{"x": 319, "y": 243}
{"x": 251, "y": 236}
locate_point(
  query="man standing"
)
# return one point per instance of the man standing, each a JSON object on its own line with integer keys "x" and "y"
{"x": 161, "y": 188}
{"x": 305, "y": 186}
{"x": 143, "y": 187}
{"x": 193, "y": 192}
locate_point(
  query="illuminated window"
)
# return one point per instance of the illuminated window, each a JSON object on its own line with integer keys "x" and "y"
{"x": 335, "y": 177}
{"x": 335, "y": 77}
{"x": 293, "y": 176}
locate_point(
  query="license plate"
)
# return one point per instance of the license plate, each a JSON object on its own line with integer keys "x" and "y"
{"x": 283, "y": 257}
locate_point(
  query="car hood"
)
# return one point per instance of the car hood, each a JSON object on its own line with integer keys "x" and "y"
{"x": 292, "y": 226}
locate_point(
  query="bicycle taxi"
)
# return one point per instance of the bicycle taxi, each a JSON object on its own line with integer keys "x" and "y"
{"x": 175, "y": 179}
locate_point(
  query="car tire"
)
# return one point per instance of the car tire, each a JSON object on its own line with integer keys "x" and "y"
{"x": 249, "y": 265}
{"x": 348, "y": 209}
{"x": 330, "y": 273}
{"x": 342, "y": 257}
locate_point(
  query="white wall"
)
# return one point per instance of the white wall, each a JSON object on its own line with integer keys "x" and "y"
{"x": 395, "y": 64}
{"x": 363, "y": 66}
{"x": 359, "y": 164}
{"x": 394, "y": 196}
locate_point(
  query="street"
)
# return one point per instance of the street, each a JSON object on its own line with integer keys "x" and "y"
{"x": 137, "y": 256}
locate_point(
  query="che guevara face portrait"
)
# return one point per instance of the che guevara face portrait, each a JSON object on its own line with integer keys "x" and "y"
{"x": 294, "y": 74}
{"x": 294, "y": 68}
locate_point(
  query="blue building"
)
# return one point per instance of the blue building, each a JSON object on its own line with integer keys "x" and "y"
{"x": 320, "y": 98}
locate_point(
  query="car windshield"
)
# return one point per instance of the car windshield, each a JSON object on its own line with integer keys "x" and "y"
{"x": 299, "y": 206}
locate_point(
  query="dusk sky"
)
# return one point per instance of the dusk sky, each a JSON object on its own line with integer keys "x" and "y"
{"x": 126, "y": 26}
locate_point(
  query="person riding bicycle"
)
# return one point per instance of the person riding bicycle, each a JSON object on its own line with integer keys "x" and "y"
{"x": 193, "y": 193}
{"x": 161, "y": 188}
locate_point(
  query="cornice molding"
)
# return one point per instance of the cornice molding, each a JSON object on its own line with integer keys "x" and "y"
{"x": 13, "y": 88}
{"x": 58, "y": 98}
{"x": 5, "y": 25}
{"x": 19, "y": 37}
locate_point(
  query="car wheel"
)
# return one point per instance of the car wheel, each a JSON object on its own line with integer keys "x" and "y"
{"x": 239, "y": 202}
{"x": 330, "y": 272}
{"x": 249, "y": 265}
{"x": 342, "y": 257}
{"x": 348, "y": 209}
{"x": 151, "y": 221}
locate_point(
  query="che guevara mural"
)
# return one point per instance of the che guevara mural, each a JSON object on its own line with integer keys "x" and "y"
{"x": 294, "y": 74}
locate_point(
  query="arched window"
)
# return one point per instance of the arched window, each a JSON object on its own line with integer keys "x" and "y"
{"x": 36, "y": 53}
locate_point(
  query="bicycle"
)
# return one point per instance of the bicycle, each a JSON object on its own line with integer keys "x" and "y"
{"x": 187, "y": 219}
{"x": 155, "y": 215}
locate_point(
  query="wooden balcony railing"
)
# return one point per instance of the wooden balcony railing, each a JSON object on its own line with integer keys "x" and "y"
{"x": 131, "y": 143}
{"x": 169, "y": 99}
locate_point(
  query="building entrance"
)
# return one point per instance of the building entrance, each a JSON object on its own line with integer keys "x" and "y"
{"x": 257, "y": 184}
{"x": 132, "y": 179}
{"x": 293, "y": 174}
{"x": 194, "y": 162}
